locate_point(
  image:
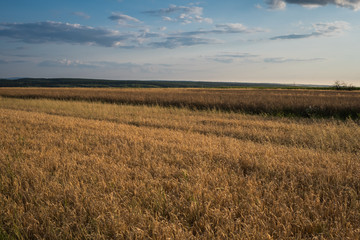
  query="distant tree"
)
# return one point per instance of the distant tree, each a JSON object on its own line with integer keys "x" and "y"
{"x": 338, "y": 85}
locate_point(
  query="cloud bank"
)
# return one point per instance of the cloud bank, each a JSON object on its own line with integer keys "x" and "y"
{"x": 56, "y": 32}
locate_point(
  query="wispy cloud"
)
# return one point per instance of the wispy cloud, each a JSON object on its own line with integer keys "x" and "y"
{"x": 319, "y": 30}
{"x": 255, "y": 58}
{"x": 232, "y": 57}
{"x": 180, "y": 41}
{"x": 128, "y": 66}
{"x": 228, "y": 28}
{"x": 11, "y": 61}
{"x": 191, "y": 38}
{"x": 123, "y": 19}
{"x": 66, "y": 63}
{"x": 236, "y": 28}
{"x": 286, "y": 60}
{"x": 136, "y": 67}
{"x": 81, "y": 14}
{"x": 281, "y": 4}
{"x": 193, "y": 10}
{"x": 181, "y": 14}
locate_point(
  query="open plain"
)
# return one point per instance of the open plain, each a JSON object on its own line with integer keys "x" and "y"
{"x": 179, "y": 164}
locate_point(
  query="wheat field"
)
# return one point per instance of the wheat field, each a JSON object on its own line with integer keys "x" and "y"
{"x": 276, "y": 102}
{"x": 92, "y": 170}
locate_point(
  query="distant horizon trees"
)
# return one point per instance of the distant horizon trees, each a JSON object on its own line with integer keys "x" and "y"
{"x": 341, "y": 85}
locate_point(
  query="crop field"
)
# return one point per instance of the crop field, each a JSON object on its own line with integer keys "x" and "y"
{"x": 179, "y": 164}
{"x": 277, "y": 102}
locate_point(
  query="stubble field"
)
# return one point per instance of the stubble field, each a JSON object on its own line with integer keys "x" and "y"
{"x": 74, "y": 169}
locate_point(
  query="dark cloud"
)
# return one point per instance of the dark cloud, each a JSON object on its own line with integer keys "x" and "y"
{"x": 56, "y": 32}
{"x": 281, "y": 4}
{"x": 296, "y": 36}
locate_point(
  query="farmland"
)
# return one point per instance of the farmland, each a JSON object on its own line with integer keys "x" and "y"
{"x": 179, "y": 164}
{"x": 278, "y": 102}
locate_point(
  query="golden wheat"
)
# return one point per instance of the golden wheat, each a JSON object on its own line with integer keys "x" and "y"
{"x": 308, "y": 103}
{"x": 80, "y": 170}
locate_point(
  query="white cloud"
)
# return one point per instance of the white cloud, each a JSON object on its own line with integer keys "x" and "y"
{"x": 281, "y": 4}
{"x": 237, "y": 28}
{"x": 276, "y": 4}
{"x": 331, "y": 28}
{"x": 227, "y": 28}
{"x": 168, "y": 19}
{"x": 181, "y": 14}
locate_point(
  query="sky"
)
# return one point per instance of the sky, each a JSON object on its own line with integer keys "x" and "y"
{"x": 272, "y": 41}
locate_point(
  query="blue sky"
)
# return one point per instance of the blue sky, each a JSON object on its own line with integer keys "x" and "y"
{"x": 282, "y": 41}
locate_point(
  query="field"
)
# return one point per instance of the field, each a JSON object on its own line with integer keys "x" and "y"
{"x": 179, "y": 164}
{"x": 278, "y": 102}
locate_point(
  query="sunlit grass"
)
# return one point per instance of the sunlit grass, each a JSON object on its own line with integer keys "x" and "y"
{"x": 275, "y": 102}
{"x": 80, "y": 170}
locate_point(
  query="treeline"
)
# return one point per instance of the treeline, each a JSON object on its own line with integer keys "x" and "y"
{"x": 98, "y": 83}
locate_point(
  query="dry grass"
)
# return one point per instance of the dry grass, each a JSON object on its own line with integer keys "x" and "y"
{"x": 304, "y": 103}
{"x": 80, "y": 170}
